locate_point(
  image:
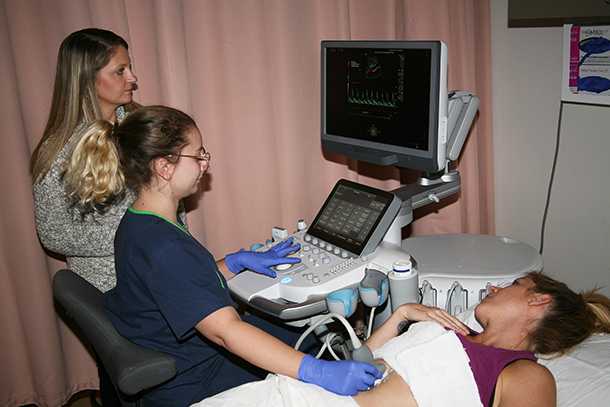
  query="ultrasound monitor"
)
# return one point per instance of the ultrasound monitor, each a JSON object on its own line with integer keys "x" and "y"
{"x": 385, "y": 102}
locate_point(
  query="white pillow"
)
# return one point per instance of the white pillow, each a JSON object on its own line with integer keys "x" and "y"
{"x": 582, "y": 376}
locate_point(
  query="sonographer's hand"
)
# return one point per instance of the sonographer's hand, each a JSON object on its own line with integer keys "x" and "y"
{"x": 261, "y": 261}
{"x": 344, "y": 377}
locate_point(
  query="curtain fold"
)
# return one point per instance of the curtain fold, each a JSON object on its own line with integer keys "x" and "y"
{"x": 249, "y": 73}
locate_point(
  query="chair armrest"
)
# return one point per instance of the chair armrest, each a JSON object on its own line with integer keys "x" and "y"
{"x": 138, "y": 368}
{"x": 132, "y": 368}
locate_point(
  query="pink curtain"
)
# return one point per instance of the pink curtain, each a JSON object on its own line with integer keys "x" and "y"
{"x": 249, "y": 72}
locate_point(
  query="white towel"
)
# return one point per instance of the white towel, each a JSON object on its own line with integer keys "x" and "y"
{"x": 434, "y": 364}
{"x": 277, "y": 391}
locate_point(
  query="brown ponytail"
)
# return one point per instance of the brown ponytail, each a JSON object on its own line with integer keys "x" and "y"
{"x": 571, "y": 317}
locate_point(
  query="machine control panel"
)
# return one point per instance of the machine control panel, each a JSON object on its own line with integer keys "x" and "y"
{"x": 300, "y": 289}
{"x": 344, "y": 237}
{"x": 322, "y": 265}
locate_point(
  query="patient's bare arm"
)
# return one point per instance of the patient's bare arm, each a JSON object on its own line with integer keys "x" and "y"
{"x": 392, "y": 392}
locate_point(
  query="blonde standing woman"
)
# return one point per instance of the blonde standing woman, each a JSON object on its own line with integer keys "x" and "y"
{"x": 94, "y": 80}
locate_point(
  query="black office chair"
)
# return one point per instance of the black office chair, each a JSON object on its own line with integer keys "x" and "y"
{"x": 133, "y": 369}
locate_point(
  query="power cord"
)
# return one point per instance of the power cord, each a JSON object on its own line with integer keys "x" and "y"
{"x": 370, "y": 327}
{"x": 355, "y": 341}
{"x": 548, "y": 194}
{"x": 360, "y": 352}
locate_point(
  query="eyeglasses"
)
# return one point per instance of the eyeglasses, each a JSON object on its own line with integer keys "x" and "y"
{"x": 201, "y": 159}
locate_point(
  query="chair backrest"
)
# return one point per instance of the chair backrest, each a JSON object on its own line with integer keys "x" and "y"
{"x": 133, "y": 369}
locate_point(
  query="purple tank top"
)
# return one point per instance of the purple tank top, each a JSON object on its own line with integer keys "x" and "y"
{"x": 487, "y": 362}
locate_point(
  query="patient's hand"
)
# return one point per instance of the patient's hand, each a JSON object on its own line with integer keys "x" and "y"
{"x": 418, "y": 312}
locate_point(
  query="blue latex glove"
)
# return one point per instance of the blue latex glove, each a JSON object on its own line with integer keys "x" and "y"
{"x": 261, "y": 261}
{"x": 595, "y": 84}
{"x": 344, "y": 377}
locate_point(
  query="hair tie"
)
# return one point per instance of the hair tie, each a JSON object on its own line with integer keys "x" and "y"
{"x": 115, "y": 131}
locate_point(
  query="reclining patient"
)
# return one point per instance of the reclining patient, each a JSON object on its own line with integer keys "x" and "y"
{"x": 440, "y": 362}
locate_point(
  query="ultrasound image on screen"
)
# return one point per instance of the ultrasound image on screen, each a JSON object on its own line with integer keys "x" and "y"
{"x": 379, "y": 95}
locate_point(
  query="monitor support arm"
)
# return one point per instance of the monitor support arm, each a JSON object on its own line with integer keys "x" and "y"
{"x": 434, "y": 187}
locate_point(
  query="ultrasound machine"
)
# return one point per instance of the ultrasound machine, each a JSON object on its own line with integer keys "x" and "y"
{"x": 385, "y": 102}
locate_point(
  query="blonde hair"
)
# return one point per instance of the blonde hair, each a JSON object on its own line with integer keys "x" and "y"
{"x": 108, "y": 158}
{"x": 81, "y": 56}
{"x": 93, "y": 177}
{"x": 598, "y": 306}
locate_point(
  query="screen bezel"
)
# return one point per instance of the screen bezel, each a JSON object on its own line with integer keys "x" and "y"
{"x": 379, "y": 229}
{"x": 432, "y": 159}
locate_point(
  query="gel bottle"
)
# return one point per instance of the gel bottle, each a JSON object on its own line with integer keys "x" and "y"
{"x": 404, "y": 283}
